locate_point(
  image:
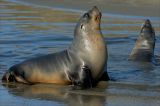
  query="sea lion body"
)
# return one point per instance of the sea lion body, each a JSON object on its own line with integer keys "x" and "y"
{"x": 144, "y": 47}
{"x": 81, "y": 64}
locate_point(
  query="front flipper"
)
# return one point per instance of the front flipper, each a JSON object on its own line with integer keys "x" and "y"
{"x": 85, "y": 79}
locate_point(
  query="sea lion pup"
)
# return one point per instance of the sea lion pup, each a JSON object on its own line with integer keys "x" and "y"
{"x": 144, "y": 47}
{"x": 81, "y": 64}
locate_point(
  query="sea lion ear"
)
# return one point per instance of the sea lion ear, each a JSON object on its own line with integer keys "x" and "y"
{"x": 81, "y": 26}
{"x": 86, "y": 69}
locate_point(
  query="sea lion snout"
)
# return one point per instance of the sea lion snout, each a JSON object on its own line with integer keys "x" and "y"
{"x": 95, "y": 13}
{"x": 147, "y": 27}
{"x": 95, "y": 10}
{"x": 147, "y": 31}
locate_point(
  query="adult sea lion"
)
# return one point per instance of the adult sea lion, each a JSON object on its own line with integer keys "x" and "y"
{"x": 144, "y": 47}
{"x": 82, "y": 63}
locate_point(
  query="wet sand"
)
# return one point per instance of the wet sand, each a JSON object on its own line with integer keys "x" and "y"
{"x": 114, "y": 94}
{"x": 33, "y": 28}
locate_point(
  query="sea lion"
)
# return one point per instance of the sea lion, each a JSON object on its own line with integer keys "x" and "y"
{"x": 81, "y": 64}
{"x": 144, "y": 47}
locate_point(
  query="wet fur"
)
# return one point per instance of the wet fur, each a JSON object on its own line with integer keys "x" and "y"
{"x": 144, "y": 47}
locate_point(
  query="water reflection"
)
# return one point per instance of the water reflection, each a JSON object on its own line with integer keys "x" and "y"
{"x": 115, "y": 93}
{"x": 62, "y": 94}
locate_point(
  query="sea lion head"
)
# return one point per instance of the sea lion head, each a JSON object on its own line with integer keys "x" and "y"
{"x": 144, "y": 47}
{"x": 89, "y": 22}
{"x": 147, "y": 29}
{"x": 147, "y": 34}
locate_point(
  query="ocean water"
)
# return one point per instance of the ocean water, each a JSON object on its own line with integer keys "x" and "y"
{"x": 30, "y": 28}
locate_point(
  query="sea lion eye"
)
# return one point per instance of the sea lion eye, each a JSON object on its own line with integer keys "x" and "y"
{"x": 86, "y": 15}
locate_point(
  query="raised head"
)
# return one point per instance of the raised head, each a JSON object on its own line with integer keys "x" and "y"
{"x": 147, "y": 36}
{"x": 144, "y": 47}
{"x": 89, "y": 22}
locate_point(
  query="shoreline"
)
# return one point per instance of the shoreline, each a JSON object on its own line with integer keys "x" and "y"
{"x": 115, "y": 13}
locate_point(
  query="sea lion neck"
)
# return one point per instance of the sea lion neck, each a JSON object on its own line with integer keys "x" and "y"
{"x": 87, "y": 38}
{"x": 87, "y": 32}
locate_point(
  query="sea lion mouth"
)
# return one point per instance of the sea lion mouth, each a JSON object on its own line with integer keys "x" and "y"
{"x": 96, "y": 14}
{"x": 98, "y": 17}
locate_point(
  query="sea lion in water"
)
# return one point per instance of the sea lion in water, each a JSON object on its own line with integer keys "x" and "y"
{"x": 144, "y": 47}
{"x": 81, "y": 64}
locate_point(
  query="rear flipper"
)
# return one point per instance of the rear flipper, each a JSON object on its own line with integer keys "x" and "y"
{"x": 10, "y": 76}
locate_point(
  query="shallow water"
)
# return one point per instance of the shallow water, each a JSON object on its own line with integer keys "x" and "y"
{"x": 34, "y": 28}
